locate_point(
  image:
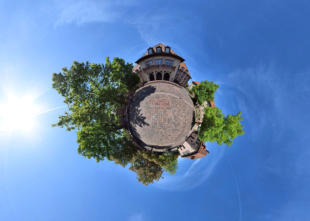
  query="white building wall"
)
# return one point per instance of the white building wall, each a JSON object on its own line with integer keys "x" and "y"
{"x": 186, "y": 149}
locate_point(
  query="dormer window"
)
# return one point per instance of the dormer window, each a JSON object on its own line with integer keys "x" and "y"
{"x": 150, "y": 51}
{"x": 167, "y": 49}
{"x": 158, "y": 50}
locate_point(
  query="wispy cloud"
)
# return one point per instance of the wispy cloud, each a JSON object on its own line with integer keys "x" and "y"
{"x": 87, "y": 11}
{"x": 148, "y": 22}
{"x": 192, "y": 174}
{"x": 150, "y": 25}
{"x": 273, "y": 102}
{"x": 191, "y": 168}
{"x": 266, "y": 95}
{"x": 136, "y": 217}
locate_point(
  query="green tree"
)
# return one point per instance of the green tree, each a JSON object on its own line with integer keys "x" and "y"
{"x": 150, "y": 166}
{"x": 204, "y": 91}
{"x": 94, "y": 95}
{"x": 217, "y": 127}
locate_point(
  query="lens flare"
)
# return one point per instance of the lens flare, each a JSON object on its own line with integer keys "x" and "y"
{"x": 18, "y": 113}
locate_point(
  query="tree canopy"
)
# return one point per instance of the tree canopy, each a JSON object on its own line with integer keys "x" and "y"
{"x": 94, "y": 94}
{"x": 217, "y": 127}
{"x": 204, "y": 91}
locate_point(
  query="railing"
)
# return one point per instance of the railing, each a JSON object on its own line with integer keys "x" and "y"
{"x": 155, "y": 66}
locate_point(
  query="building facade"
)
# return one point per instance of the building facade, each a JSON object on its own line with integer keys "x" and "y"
{"x": 193, "y": 148}
{"x": 162, "y": 63}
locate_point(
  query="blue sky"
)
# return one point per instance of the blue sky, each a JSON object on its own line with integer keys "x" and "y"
{"x": 258, "y": 51}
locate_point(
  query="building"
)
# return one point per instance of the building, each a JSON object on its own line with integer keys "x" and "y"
{"x": 199, "y": 153}
{"x": 160, "y": 115}
{"x": 162, "y": 63}
{"x": 193, "y": 148}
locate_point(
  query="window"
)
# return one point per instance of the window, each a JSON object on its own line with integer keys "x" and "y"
{"x": 167, "y": 76}
{"x": 167, "y": 49}
{"x": 152, "y": 77}
{"x": 169, "y": 62}
{"x": 158, "y": 61}
{"x": 159, "y": 76}
{"x": 158, "y": 50}
{"x": 150, "y": 51}
{"x": 149, "y": 63}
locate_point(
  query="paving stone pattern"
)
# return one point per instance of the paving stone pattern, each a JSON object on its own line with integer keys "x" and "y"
{"x": 160, "y": 115}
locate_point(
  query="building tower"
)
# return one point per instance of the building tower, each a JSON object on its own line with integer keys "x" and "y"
{"x": 160, "y": 115}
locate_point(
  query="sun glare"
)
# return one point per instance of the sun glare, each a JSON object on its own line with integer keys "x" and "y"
{"x": 18, "y": 113}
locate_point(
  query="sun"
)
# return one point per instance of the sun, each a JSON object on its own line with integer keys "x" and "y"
{"x": 18, "y": 113}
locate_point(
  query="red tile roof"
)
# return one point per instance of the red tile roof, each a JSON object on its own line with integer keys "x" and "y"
{"x": 212, "y": 104}
{"x": 202, "y": 151}
{"x": 184, "y": 68}
{"x": 162, "y": 48}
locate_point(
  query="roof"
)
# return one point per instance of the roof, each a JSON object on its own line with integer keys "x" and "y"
{"x": 184, "y": 68}
{"x": 201, "y": 152}
{"x": 162, "y": 48}
{"x": 171, "y": 54}
{"x": 212, "y": 104}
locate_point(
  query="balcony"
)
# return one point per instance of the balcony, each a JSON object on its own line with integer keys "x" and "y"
{"x": 155, "y": 67}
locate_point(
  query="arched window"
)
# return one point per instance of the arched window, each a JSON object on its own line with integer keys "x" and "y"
{"x": 152, "y": 77}
{"x": 167, "y": 76}
{"x": 159, "y": 76}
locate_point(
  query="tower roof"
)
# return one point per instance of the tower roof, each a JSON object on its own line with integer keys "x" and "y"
{"x": 184, "y": 68}
{"x": 163, "y": 47}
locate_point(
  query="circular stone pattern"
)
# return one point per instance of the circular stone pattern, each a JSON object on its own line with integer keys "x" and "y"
{"x": 160, "y": 115}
